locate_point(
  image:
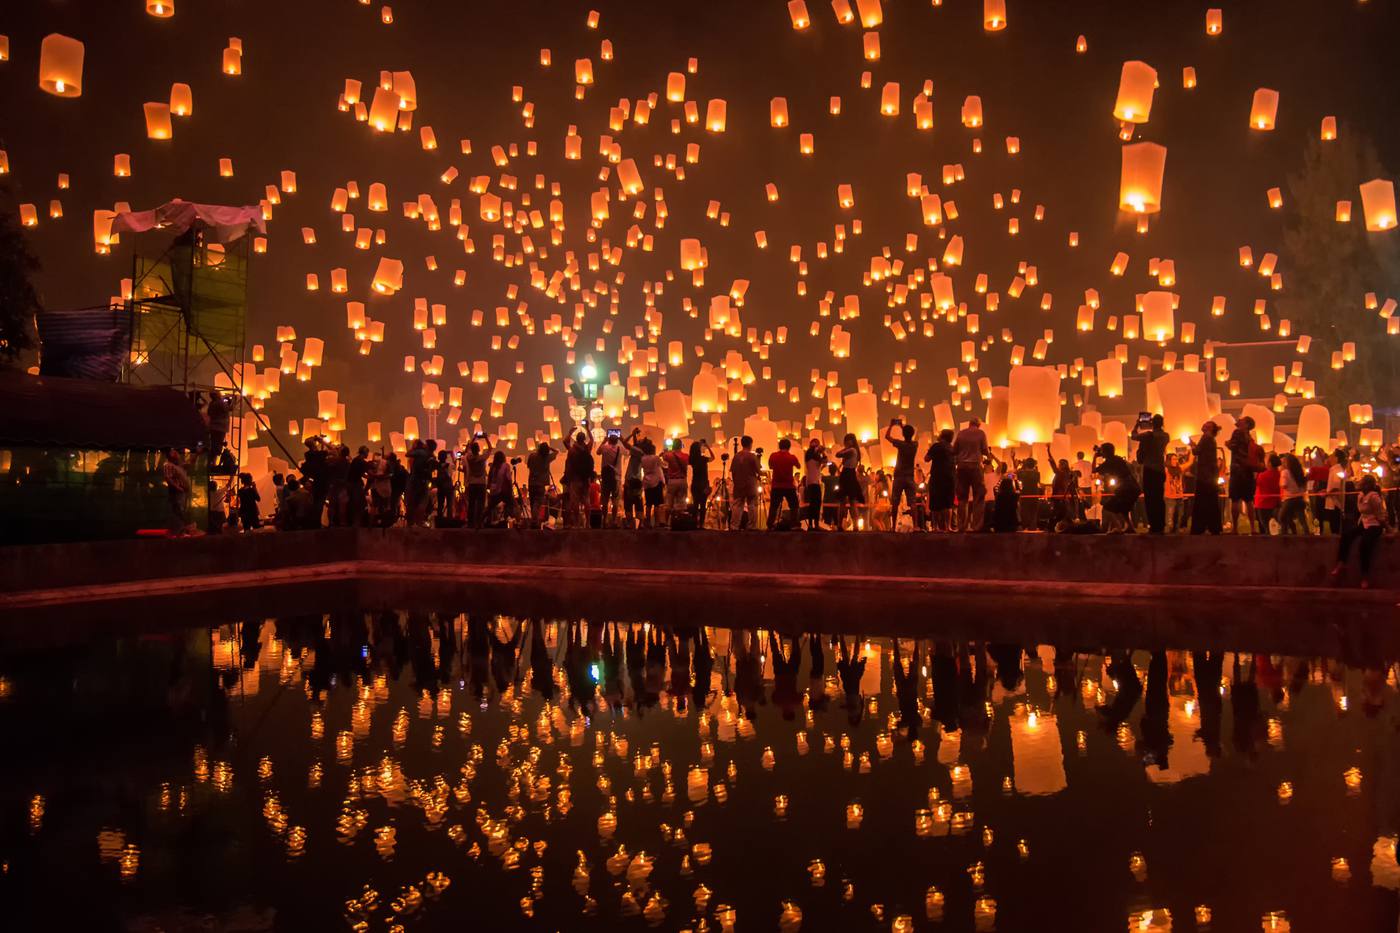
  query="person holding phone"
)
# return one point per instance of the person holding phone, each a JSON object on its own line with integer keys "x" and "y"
{"x": 902, "y": 485}
{"x": 1152, "y": 442}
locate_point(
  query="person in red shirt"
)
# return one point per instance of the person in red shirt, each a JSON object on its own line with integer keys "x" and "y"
{"x": 1268, "y": 492}
{"x": 783, "y": 465}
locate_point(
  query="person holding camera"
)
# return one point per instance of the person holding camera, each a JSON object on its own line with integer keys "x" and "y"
{"x": 676, "y": 465}
{"x": 501, "y": 488}
{"x": 902, "y": 485}
{"x": 610, "y": 485}
{"x": 538, "y": 479}
{"x": 782, "y": 468}
{"x": 632, "y": 483}
{"x": 578, "y": 472}
{"x": 1152, "y": 443}
{"x": 476, "y": 479}
{"x": 1121, "y": 489}
{"x": 700, "y": 458}
{"x": 1205, "y": 502}
{"x": 1246, "y": 460}
{"x": 743, "y": 474}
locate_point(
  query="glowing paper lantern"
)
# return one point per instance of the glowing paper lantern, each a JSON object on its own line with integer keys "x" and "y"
{"x": 181, "y": 100}
{"x": 1033, "y": 404}
{"x": 1159, "y": 316}
{"x": 157, "y": 120}
{"x": 669, "y": 406}
{"x": 1136, "y": 85}
{"x": 704, "y": 392}
{"x": 1214, "y": 22}
{"x": 1378, "y": 203}
{"x": 161, "y": 9}
{"x": 715, "y": 115}
{"x": 1110, "y": 377}
{"x": 972, "y": 112}
{"x": 797, "y": 11}
{"x": 1181, "y": 401}
{"x": 993, "y": 15}
{"x": 61, "y": 65}
{"x": 1264, "y": 110}
{"x": 1314, "y": 427}
{"x": 1140, "y": 186}
{"x": 388, "y": 277}
{"x": 862, "y": 415}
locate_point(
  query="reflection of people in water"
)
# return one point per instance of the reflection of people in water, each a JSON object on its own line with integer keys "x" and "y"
{"x": 541, "y": 663}
{"x": 703, "y": 662}
{"x": 974, "y": 690}
{"x": 748, "y": 672}
{"x": 906, "y": 691}
{"x": 1209, "y": 667}
{"x": 850, "y": 668}
{"x": 817, "y": 700}
{"x": 943, "y": 670}
{"x": 1156, "y": 736}
{"x": 678, "y": 656}
{"x": 785, "y": 694}
{"x": 1247, "y": 722}
{"x": 636, "y": 667}
{"x": 1008, "y": 661}
{"x": 1125, "y": 675}
{"x": 250, "y": 643}
{"x": 579, "y": 661}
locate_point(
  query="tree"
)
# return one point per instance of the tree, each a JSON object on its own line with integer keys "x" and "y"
{"x": 19, "y": 301}
{"x": 1328, "y": 269}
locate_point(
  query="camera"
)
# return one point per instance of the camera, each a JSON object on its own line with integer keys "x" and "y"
{"x": 515, "y": 461}
{"x": 615, "y": 433}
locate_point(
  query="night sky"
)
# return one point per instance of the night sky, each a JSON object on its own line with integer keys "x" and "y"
{"x": 1324, "y": 58}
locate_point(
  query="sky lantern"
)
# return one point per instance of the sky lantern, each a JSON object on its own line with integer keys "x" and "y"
{"x": 1033, "y": 404}
{"x": 1314, "y": 428}
{"x": 778, "y": 112}
{"x": 1182, "y": 402}
{"x": 157, "y": 120}
{"x": 871, "y": 15}
{"x": 583, "y": 71}
{"x": 1109, "y": 371}
{"x": 862, "y": 415}
{"x": 797, "y": 12}
{"x": 715, "y": 115}
{"x": 675, "y": 87}
{"x": 692, "y": 257}
{"x": 1215, "y": 21}
{"x": 61, "y": 66}
{"x": 1329, "y": 129}
{"x": 972, "y": 112}
{"x": 993, "y": 15}
{"x": 670, "y": 408}
{"x": 121, "y": 165}
{"x": 181, "y": 100}
{"x": 1188, "y": 77}
{"x": 1378, "y": 203}
{"x": 1264, "y": 110}
{"x": 161, "y": 9}
{"x": 1140, "y": 187}
{"x": 232, "y": 61}
{"x": 1136, "y": 85}
{"x": 889, "y": 99}
{"x": 384, "y": 110}
{"x": 1159, "y": 316}
{"x": 388, "y": 277}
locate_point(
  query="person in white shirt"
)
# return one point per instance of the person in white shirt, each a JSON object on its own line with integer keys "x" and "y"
{"x": 1368, "y": 527}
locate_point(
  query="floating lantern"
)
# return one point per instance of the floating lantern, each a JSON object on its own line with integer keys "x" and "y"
{"x": 233, "y": 61}
{"x": 1264, "y": 111}
{"x": 1110, "y": 377}
{"x": 993, "y": 15}
{"x": 1136, "y": 84}
{"x": 1159, "y": 315}
{"x": 388, "y": 277}
{"x": 715, "y": 115}
{"x": 1033, "y": 407}
{"x": 157, "y": 120}
{"x": 1378, "y": 204}
{"x": 1215, "y": 21}
{"x": 972, "y": 112}
{"x": 1329, "y": 129}
{"x": 797, "y": 12}
{"x": 1140, "y": 187}
{"x": 61, "y": 65}
{"x": 181, "y": 100}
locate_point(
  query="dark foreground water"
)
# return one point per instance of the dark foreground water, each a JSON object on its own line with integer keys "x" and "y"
{"x": 439, "y": 770}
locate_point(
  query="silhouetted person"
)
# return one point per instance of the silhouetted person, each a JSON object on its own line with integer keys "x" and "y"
{"x": 541, "y": 663}
{"x": 785, "y": 694}
{"x": 850, "y": 668}
{"x": 1208, "y": 667}
{"x": 906, "y": 691}
{"x": 1156, "y": 738}
{"x": 817, "y": 700}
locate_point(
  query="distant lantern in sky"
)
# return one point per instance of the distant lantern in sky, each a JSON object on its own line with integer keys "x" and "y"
{"x": 161, "y": 9}
{"x": 1159, "y": 316}
{"x": 993, "y": 15}
{"x": 181, "y": 100}
{"x": 972, "y": 112}
{"x": 675, "y": 87}
{"x": 870, "y": 13}
{"x": 1136, "y": 85}
{"x": 1140, "y": 188}
{"x": 388, "y": 277}
{"x": 1033, "y": 404}
{"x": 1264, "y": 111}
{"x": 778, "y": 112}
{"x": 61, "y": 66}
{"x": 1329, "y": 129}
{"x": 715, "y": 115}
{"x": 157, "y": 120}
{"x": 797, "y": 11}
{"x": 233, "y": 61}
{"x": 1215, "y": 21}
{"x": 1378, "y": 203}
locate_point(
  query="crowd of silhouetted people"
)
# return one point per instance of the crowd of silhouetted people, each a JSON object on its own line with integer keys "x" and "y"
{"x": 958, "y": 483}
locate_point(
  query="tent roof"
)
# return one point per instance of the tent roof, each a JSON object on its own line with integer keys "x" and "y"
{"x": 86, "y": 413}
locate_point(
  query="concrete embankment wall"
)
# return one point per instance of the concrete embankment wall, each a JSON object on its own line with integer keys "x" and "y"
{"x": 1065, "y": 562}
